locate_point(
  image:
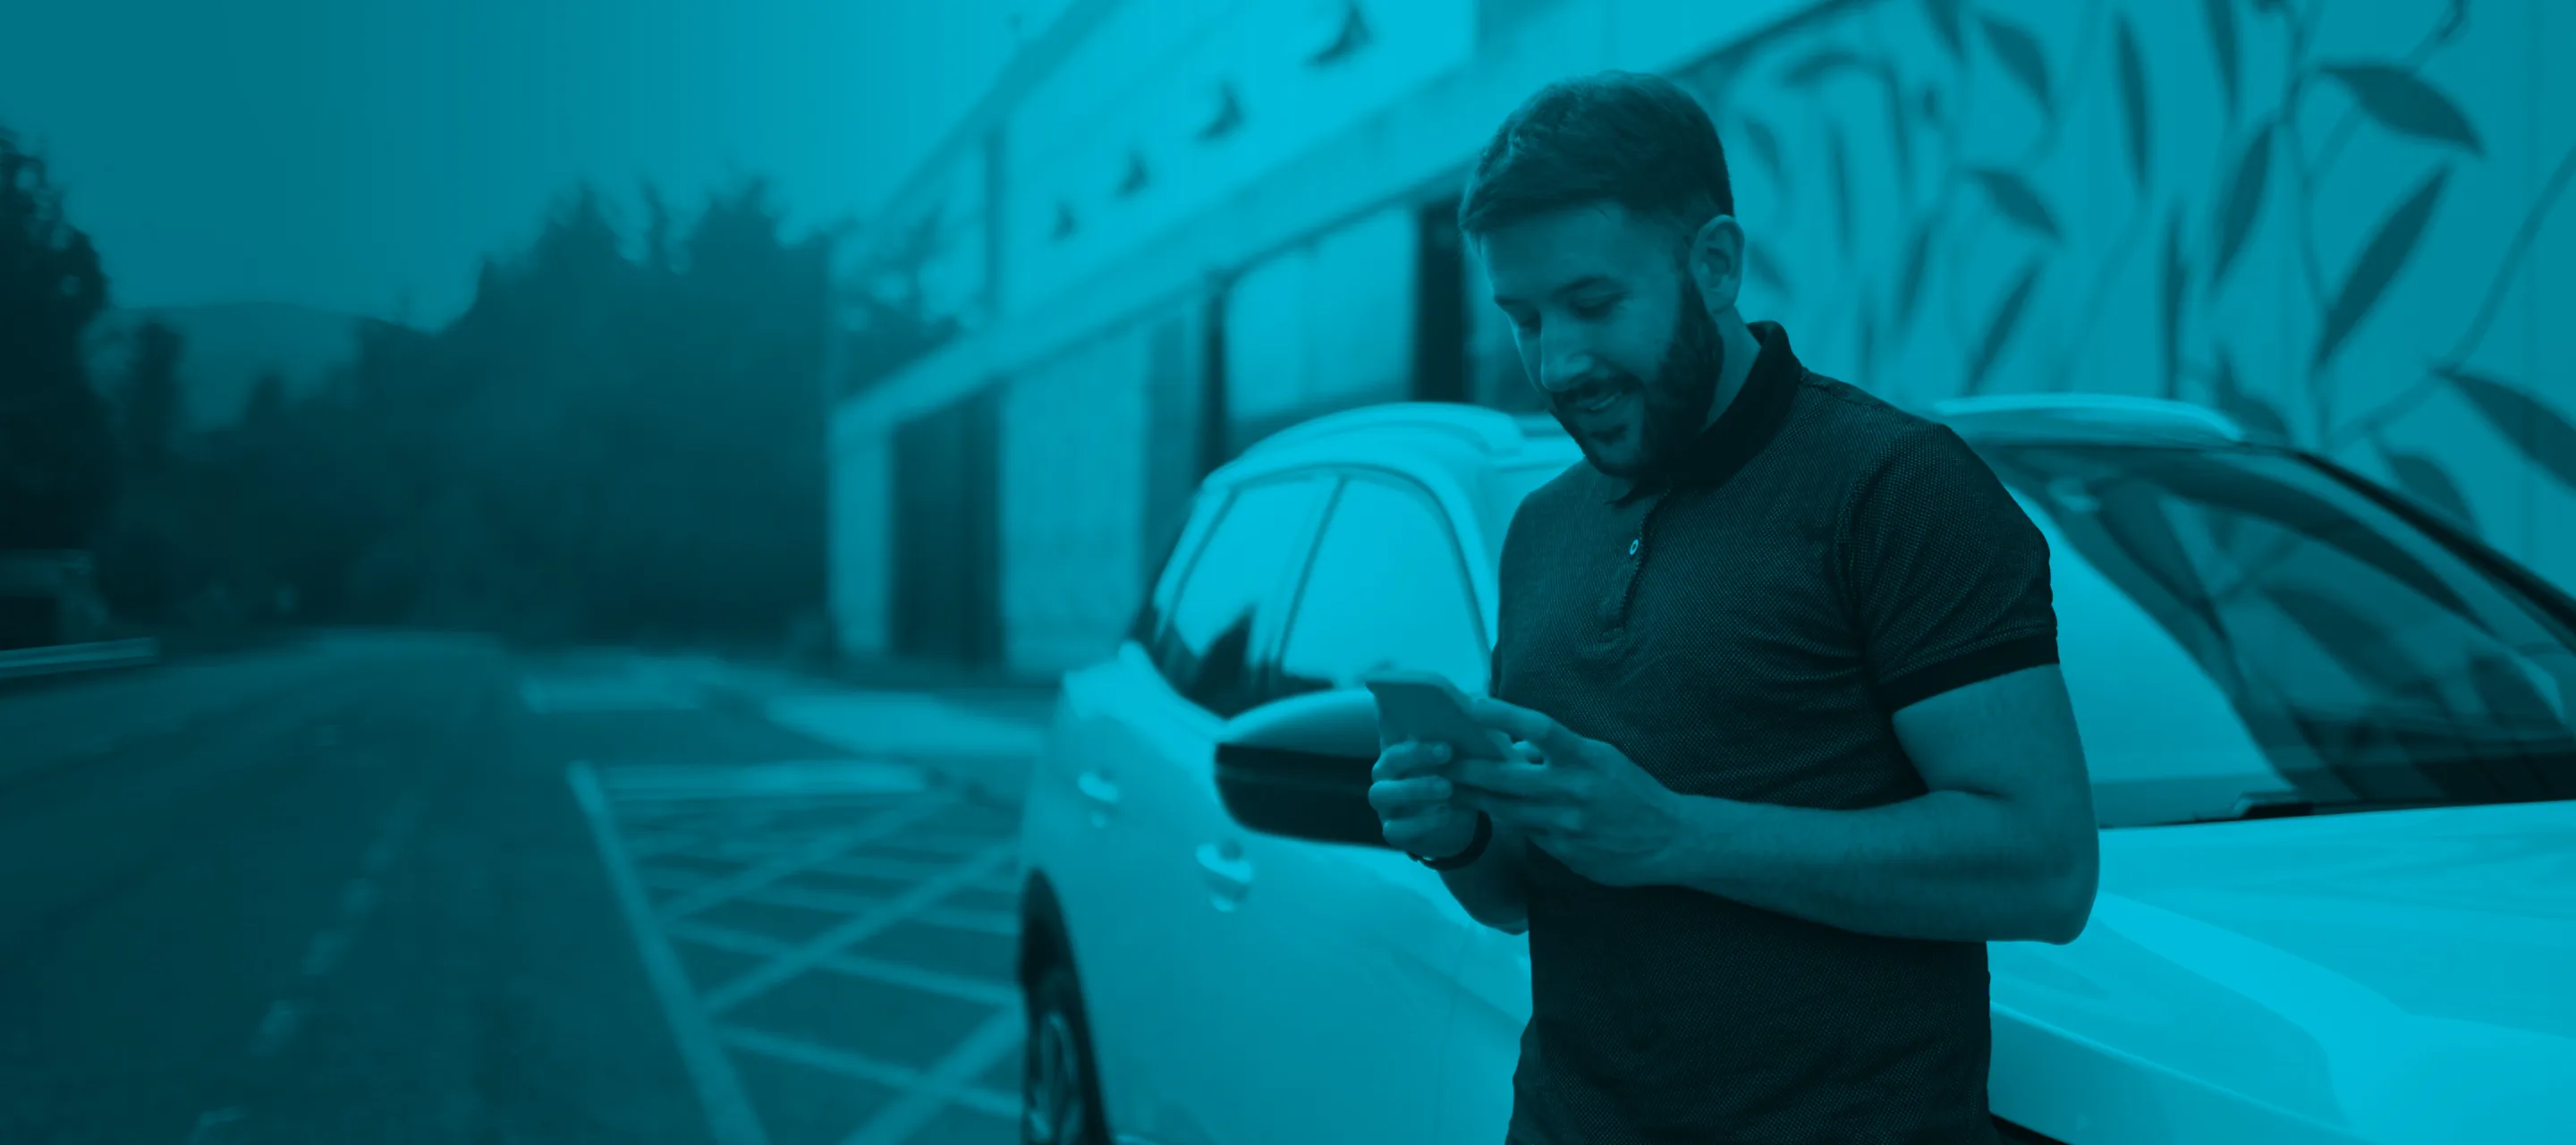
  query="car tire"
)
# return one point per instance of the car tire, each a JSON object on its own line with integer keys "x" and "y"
{"x": 1059, "y": 1088}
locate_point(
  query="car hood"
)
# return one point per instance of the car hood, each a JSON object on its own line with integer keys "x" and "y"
{"x": 2394, "y": 975}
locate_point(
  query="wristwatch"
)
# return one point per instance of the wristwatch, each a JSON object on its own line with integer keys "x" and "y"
{"x": 1475, "y": 847}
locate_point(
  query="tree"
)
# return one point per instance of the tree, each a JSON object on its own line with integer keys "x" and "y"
{"x": 152, "y": 398}
{"x": 56, "y": 451}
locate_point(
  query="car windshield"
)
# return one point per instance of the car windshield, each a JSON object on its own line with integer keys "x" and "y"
{"x": 2242, "y": 628}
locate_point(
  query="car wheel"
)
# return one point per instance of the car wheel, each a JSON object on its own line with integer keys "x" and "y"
{"x": 1059, "y": 1092}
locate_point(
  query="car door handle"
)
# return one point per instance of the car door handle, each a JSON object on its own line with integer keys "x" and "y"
{"x": 1228, "y": 873}
{"x": 1097, "y": 788}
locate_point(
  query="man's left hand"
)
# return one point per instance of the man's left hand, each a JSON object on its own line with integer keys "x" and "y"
{"x": 1580, "y": 799}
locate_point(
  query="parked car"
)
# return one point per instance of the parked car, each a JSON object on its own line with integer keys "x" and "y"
{"x": 2329, "y": 735}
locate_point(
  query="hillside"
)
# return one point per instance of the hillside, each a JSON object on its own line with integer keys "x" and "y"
{"x": 225, "y": 349}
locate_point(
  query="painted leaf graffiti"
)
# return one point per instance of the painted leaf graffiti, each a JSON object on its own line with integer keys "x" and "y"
{"x": 2542, "y": 434}
{"x": 2242, "y": 201}
{"x": 2405, "y": 104}
{"x": 1944, "y": 15}
{"x": 2249, "y": 409}
{"x": 2427, "y": 481}
{"x": 1909, "y": 280}
{"x": 1759, "y": 268}
{"x": 2175, "y": 280}
{"x": 2021, "y": 56}
{"x": 1839, "y": 159}
{"x": 2133, "y": 103}
{"x": 2013, "y": 195}
{"x": 1766, "y": 151}
{"x": 1899, "y": 131}
{"x": 1999, "y": 329}
{"x": 2221, "y": 17}
{"x": 2378, "y": 266}
{"x": 1815, "y": 68}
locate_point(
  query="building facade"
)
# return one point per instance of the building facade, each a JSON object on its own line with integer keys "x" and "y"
{"x": 1200, "y": 222}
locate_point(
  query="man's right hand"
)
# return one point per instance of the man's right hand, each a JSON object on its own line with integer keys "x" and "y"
{"x": 1417, "y": 809}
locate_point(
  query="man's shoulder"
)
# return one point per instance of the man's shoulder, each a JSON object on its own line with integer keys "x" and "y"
{"x": 1866, "y": 432}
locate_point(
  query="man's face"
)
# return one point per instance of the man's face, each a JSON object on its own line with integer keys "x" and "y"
{"x": 1611, "y": 328}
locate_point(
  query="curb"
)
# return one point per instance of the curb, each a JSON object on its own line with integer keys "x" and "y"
{"x": 53, "y": 659}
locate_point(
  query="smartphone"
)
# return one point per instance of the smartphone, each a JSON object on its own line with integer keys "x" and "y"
{"x": 1427, "y": 707}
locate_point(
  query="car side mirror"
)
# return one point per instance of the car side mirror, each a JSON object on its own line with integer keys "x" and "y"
{"x": 1299, "y": 768}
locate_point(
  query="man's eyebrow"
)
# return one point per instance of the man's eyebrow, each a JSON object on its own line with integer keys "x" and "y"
{"x": 1584, "y": 283}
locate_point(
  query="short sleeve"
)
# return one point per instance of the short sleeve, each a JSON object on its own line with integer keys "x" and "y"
{"x": 1946, "y": 577}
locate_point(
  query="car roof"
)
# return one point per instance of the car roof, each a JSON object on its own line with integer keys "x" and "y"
{"x": 1477, "y": 437}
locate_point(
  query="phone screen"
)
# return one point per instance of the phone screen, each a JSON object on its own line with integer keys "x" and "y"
{"x": 1432, "y": 711}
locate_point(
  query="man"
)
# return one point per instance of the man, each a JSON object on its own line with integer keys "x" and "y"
{"x": 1781, "y": 665}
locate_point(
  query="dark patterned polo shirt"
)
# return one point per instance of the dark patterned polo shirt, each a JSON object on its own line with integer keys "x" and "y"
{"x": 1744, "y": 628}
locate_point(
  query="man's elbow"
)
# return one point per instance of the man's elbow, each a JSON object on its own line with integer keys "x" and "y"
{"x": 2065, "y": 896}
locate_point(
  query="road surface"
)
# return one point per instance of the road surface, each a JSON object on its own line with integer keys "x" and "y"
{"x": 397, "y": 888}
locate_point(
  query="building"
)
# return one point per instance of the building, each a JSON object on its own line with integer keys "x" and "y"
{"x": 1179, "y": 225}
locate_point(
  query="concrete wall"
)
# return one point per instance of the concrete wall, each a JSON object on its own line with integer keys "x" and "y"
{"x": 1074, "y": 484}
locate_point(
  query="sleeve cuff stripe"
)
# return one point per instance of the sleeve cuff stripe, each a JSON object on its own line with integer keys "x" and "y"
{"x": 2033, "y": 651}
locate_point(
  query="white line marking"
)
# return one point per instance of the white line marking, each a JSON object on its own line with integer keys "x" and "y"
{"x": 205, "y": 1131}
{"x": 874, "y": 867}
{"x": 358, "y": 898}
{"x": 729, "y": 1114}
{"x": 762, "y": 874}
{"x": 848, "y": 1064}
{"x": 897, "y": 909}
{"x": 322, "y": 955}
{"x": 996, "y": 1039}
{"x": 984, "y": 991}
{"x": 991, "y": 922}
{"x": 276, "y": 1028}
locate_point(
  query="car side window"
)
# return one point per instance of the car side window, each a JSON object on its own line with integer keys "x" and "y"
{"x": 1206, "y": 650}
{"x": 1387, "y": 588}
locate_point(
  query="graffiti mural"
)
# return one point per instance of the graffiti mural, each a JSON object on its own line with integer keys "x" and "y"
{"x": 2341, "y": 223}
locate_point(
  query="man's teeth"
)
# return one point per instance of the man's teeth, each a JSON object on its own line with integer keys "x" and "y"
{"x": 1601, "y": 403}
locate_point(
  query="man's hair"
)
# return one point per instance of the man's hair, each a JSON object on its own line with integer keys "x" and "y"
{"x": 1629, "y": 138}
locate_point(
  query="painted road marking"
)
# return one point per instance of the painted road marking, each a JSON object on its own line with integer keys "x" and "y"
{"x": 720, "y": 1093}
{"x": 992, "y": 922}
{"x": 887, "y": 1074}
{"x": 985, "y": 991}
{"x": 996, "y": 1039}
{"x": 210, "y": 1125}
{"x": 900, "y": 908}
{"x": 806, "y": 855}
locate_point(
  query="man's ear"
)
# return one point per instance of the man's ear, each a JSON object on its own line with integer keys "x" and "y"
{"x": 1717, "y": 263}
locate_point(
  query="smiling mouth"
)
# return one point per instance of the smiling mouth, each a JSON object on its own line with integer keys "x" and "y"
{"x": 1598, "y": 403}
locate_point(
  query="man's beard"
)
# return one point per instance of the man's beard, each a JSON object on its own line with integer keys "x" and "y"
{"x": 1677, "y": 401}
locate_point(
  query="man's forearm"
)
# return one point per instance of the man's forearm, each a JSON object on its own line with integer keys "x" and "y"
{"x": 1494, "y": 889}
{"x": 1949, "y": 866}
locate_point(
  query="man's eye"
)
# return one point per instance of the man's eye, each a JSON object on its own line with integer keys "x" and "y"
{"x": 1594, "y": 308}
{"x": 1525, "y": 325}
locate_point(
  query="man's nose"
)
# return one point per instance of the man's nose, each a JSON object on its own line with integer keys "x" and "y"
{"x": 1562, "y": 368}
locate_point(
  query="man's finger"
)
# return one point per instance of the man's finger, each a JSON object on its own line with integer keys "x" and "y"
{"x": 1521, "y": 723}
{"x": 1518, "y": 780}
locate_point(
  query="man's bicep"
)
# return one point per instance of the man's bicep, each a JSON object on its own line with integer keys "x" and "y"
{"x": 1948, "y": 576}
{"x": 2013, "y": 738}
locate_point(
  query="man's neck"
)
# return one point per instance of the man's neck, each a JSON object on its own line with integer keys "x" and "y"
{"x": 1741, "y": 349}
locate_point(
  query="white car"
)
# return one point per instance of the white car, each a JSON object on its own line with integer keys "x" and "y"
{"x": 2329, "y": 734}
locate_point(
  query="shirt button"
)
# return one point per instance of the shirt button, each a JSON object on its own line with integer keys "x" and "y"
{"x": 1632, "y": 546}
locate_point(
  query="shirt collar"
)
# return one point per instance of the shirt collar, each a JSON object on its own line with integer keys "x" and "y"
{"x": 1749, "y": 423}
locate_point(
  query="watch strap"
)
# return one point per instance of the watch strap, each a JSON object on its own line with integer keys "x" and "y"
{"x": 1475, "y": 847}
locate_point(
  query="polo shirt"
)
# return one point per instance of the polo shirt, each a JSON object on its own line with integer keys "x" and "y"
{"x": 1743, "y": 626}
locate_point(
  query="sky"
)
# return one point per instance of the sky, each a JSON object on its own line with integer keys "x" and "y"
{"x": 365, "y": 157}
